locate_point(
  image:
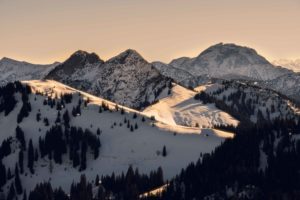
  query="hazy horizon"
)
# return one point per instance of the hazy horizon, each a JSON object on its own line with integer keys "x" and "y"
{"x": 48, "y": 31}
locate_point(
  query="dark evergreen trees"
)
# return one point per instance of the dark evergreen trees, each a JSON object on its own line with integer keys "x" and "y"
{"x": 20, "y": 136}
{"x": 12, "y": 192}
{"x": 42, "y": 191}
{"x": 21, "y": 161}
{"x": 81, "y": 190}
{"x": 164, "y": 151}
{"x": 83, "y": 156}
{"x": 30, "y": 157}
{"x": 2, "y": 174}
{"x": 66, "y": 119}
{"x": 18, "y": 184}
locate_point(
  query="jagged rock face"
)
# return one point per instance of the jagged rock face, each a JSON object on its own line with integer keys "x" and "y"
{"x": 130, "y": 80}
{"x": 13, "y": 70}
{"x": 76, "y": 62}
{"x": 127, "y": 79}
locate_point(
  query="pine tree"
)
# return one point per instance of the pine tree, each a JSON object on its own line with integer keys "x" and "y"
{"x": 75, "y": 158}
{"x": 96, "y": 147}
{"x": 74, "y": 112}
{"x": 58, "y": 120}
{"x": 18, "y": 184}
{"x": 134, "y": 115}
{"x": 83, "y": 156}
{"x": 20, "y": 137}
{"x": 46, "y": 121}
{"x": 36, "y": 155}
{"x": 66, "y": 118}
{"x": 38, "y": 117}
{"x": 97, "y": 180}
{"x": 50, "y": 166}
{"x": 2, "y": 174}
{"x": 101, "y": 193}
{"x": 21, "y": 161}
{"x": 98, "y": 131}
{"x": 135, "y": 126}
{"x": 164, "y": 152}
{"x": 9, "y": 175}
{"x": 24, "y": 195}
{"x": 12, "y": 193}
{"x": 30, "y": 156}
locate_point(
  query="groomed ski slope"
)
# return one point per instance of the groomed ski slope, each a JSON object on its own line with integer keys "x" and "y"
{"x": 120, "y": 147}
{"x": 180, "y": 108}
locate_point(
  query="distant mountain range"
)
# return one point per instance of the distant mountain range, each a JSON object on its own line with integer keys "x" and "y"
{"x": 289, "y": 64}
{"x": 224, "y": 61}
{"x": 130, "y": 80}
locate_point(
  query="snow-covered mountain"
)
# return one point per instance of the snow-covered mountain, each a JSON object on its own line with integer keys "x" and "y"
{"x": 227, "y": 61}
{"x": 127, "y": 79}
{"x": 127, "y": 136}
{"x": 289, "y": 64}
{"x": 233, "y": 62}
{"x": 12, "y": 70}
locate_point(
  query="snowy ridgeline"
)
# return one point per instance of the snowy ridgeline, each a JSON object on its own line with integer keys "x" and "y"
{"x": 249, "y": 103}
{"x": 127, "y": 137}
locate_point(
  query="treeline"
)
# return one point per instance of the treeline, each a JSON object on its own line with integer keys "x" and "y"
{"x": 127, "y": 186}
{"x": 7, "y": 98}
{"x": 237, "y": 165}
{"x": 132, "y": 184}
{"x": 57, "y": 142}
{"x": 78, "y": 142}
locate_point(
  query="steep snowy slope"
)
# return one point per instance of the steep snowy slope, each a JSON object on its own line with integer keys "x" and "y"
{"x": 177, "y": 74}
{"x": 12, "y": 70}
{"x": 121, "y": 146}
{"x": 180, "y": 108}
{"x": 289, "y": 64}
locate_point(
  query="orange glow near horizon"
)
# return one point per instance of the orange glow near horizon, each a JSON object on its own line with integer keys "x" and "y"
{"x": 47, "y": 31}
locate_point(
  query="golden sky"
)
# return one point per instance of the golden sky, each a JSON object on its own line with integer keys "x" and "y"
{"x": 44, "y": 31}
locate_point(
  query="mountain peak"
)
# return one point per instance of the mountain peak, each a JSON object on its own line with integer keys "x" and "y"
{"x": 7, "y": 60}
{"x": 230, "y": 49}
{"x": 81, "y": 56}
{"x": 129, "y": 56}
{"x": 237, "y": 55}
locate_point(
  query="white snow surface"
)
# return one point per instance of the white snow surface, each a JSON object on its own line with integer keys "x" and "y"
{"x": 180, "y": 108}
{"x": 120, "y": 147}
